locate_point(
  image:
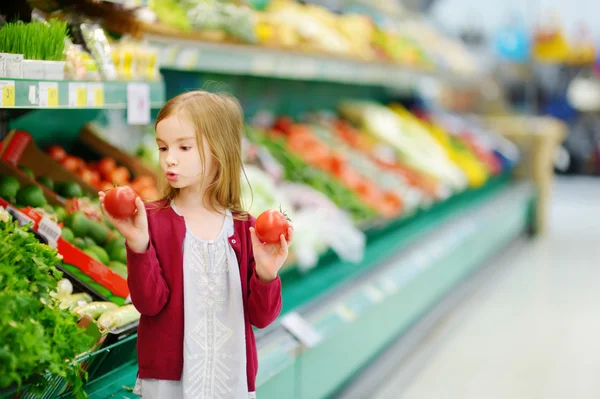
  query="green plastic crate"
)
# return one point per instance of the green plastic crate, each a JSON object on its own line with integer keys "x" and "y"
{"x": 97, "y": 364}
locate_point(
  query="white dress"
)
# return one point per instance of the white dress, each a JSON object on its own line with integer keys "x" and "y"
{"x": 214, "y": 359}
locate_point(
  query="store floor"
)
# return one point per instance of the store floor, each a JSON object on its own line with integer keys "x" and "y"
{"x": 530, "y": 328}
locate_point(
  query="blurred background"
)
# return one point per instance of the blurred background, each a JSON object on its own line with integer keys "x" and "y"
{"x": 438, "y": 159}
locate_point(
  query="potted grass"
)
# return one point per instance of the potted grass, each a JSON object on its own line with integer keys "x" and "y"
{"x": 42, "y": 45}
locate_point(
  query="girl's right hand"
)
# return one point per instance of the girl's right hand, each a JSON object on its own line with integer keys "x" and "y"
{"x": 134, "y": 228}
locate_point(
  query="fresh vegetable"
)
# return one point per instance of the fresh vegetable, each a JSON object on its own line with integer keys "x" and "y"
{"x": 27, "y": 171}
{"x": 74, "y": 300}
{"x": 57, "y": 153}
{"x": 98, "y": 232}
{"x": 9, "y": 186}
{"x": 46, "y": 181}
{"x": 31, "y": 196}
{"x": 79, "y": 243}
{"x": 37, "y": 337}
{"x": 118, "y": 268}
{"x": 120, "y": 175}
{"x": 270, "y": 225}
{"x": 100, "y": 289}
{"x": 115, "y": 244}
{"x": 64, "y": 288}
{"x": 78, "y": 223}
{"x": 94, "y": 309}
{"x": 67, "y": 234}
{"x": 69, "y": 189}
{"x": 120, "y": 202}
{"x": 105, "y": 167}
{"x": 118, "y": 318}
{"x": 119, "y": 254}
{"x": 100, "y": 254}
{"x": 60, "y": 213}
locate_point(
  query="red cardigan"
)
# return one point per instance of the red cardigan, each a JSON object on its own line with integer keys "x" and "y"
{"x": 156, "y": 286}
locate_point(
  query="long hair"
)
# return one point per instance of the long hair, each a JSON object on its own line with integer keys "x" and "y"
{"x": 218, "y": 119}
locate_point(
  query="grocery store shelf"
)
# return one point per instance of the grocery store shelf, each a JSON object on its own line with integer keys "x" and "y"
{"x": 192, "y": 55}
{"x": 33, "y": 94}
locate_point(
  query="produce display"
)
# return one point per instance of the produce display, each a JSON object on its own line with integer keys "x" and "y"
{"x": 43, "y": 338}
{"x": 104, "y": 174}
{"x": 73, "y": 50}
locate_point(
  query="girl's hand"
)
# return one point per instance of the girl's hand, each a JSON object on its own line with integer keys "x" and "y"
{"x": 270, "y": 258}
{"x": 134, "y": 228}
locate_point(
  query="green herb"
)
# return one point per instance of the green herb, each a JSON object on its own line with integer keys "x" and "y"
{"x": 35, "y": 40}
{"x": 36, "y": 338}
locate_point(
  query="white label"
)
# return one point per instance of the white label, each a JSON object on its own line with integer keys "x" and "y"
{"x": 20, "y": 217}
{"x": 138, "y": 103}
{"x": 77, "y": 95}
{"x": 48, "y": 94}
{"x": 7, "y": 93}
{"x": 300, "y": 329}
{"x": 50, "y": 230}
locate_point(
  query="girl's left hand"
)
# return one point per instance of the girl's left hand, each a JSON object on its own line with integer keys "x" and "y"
{"x": 270, "y": 258}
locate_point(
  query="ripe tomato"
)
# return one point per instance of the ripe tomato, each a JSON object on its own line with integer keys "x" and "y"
{"x": 71, "y": 163}
{"x": 57, "y": 153}
{"x": 120, "y": 202}
{"x": 143, "y": 182}
{"x": 120, "y": 175}
{"x": 91, "y": 177}
{"x": 270, "y": 225}
{"x": 106, "y": 167}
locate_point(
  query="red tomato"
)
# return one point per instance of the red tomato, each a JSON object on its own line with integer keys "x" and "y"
{"x": 106, "y": 167}
{"x": 120, "y": 175}
{"x": 57, "y": 153}
{"x": 71, "y": 163}
{"x": 143, "y": 182}
{"x": 120, "y": 202}
{"x": 91, "y": 177}
{"x": 270, "y": 225}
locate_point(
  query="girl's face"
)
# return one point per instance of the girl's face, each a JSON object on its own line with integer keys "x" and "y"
{"x": 180, "y": 154}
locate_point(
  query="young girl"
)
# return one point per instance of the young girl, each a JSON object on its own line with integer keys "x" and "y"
{"x": 197, "y": 272}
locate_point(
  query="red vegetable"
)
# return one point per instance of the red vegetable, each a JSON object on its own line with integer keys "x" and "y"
{"x": 71, "y": 163}
{"x": 106, "y": 167}
{"x": 120, "y": 175}
{"x": 57, "y": 153}
{"x": 120, "y": 202}
{"x": 270, "y": 225}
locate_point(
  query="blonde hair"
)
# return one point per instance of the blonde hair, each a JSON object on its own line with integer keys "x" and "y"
{"x": 218, "y": 118}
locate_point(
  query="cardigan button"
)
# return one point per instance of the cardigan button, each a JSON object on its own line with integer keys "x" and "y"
{"x": 233, "y": 241}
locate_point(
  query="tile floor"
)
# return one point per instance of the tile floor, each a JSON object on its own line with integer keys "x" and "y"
{"x": 530, "y": 331}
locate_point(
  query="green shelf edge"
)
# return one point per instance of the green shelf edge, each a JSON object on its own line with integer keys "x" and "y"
{"x": 27, "y": 93}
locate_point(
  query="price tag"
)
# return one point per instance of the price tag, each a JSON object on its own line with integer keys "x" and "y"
{"x": 301, "y": 330}
{"x": 95, "y": 95}
{"x": 50, "y": 230}
{"x": 19, "y": 216}
{"x": 48, "y": 94}
{"x": 138, "y": 103}
{"x": 77, "y": 95}
{"x": 8, "y": 93}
